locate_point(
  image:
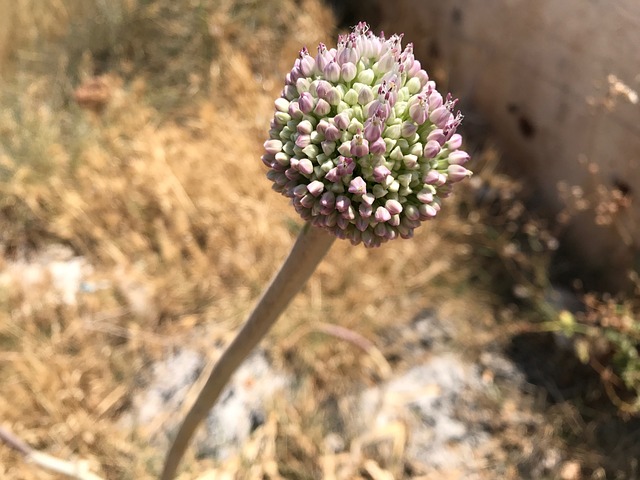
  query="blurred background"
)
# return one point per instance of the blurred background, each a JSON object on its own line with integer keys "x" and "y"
{"x": 137, "y": 229}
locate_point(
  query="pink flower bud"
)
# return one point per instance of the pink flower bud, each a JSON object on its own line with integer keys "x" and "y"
{"x": 300, "y": 191}
{"x": 411, "y": 212}
{"x": 268, "y": 160}
{"x": 290, "y": 92}
{"x": 423, "y": 77}
{"x": 323, "y": 57}
{"x": 294, "y": 110}
{"x": 440, "y": 116}
{"x": 347, "y": 55}
{"x": 378, "y": 147}
{"x": 332, "y": 133}
{"x": 365, "y": 96}
{"x": 332, "y": 71}
{"x": 455, "y": 142}
{"x": 435, "y": 99}
{"x": 357, "y": 186}
{"x": 342, "y": 203}
{"x": 333, "y": 96}
{"x": 459, "y": 157}
{"x": 359, "y": 146}
{"x": 437, "y": 135}
{"x": 410, "y": 161}
{"x": 303, "y": 140}
{"x": 332, "y": 219}
{"x": 386, "y": 61}
{"x": 414, "y": 69}
{"x": 347, "y": 165}
{"x": 322, "y": 108}
{"x": 371, "y": 47}
{"x": 380, "y": 229}
{"x": 328, "y": 199}
{"x": 393, "y": 206}
{"x": 408, "y": 129}
{"x": 418, "y": 109}
{"x": 380, "y": 109}
{"x": 349, "y": 213}
{"x": 328, "y": 147}
{"x": 322, "y": 126}
{"x": 348, "y": 72}
{"x": 288, "y": 80}
{"x": 273, "y": 146}
{"x": 433, "y": 177}
{"x": 365, "y": 210}
{"x": 306, "y": 102}
{"x": 292, "y": 174}
{"x": 345, "y": 148}
{"x": 333, "y": 175}
{"x": 431, "y": 149}
{"x": 382, "y": 214}
{"x": 368, "y": 198}
{"x": 315, "y": 188}
{"x": 373, "y": 128}
{"x": 406, "y": 222}
{"x": 304, "y": 127}
{"x": 341, "y": 121}
{"x": 307, "y": 63}
{"x": 427, "y": 211}
{"x": 362, "y": 223}
{"x": 407, "y": 58}
{"x": 380, "y": 173}
{"x": 293, "y": 76}
{"x": 457, "y": 173}
{"x": 303, "y": 84}
{"x": 320, "y": 88}
{"x": 305, "y": 166}
{"x": 425, "y": 196}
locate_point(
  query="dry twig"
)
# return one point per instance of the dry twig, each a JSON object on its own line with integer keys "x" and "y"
{"x": 78, "y": 469}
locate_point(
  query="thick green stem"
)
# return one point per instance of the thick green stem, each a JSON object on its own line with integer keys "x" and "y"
{"x": 310, "y": 248}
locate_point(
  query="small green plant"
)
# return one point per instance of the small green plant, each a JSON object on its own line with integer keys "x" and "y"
{"x": 606, "y": 336}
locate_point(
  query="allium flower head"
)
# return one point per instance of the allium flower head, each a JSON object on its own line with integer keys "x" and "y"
{"x": 362, "y": 141}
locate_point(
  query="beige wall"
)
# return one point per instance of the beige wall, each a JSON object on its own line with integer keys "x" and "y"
{"x": 557, "y": 82}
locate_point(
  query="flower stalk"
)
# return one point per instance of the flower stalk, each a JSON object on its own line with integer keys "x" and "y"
{"x": 308, "y": 251}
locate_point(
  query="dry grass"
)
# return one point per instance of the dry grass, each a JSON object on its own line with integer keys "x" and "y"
{"x": 132, "y": 133}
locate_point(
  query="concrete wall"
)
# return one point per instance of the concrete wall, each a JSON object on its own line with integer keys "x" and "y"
{"x": 557, "y": 82}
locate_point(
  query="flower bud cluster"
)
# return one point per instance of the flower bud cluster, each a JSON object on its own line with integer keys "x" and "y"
{"x": 362, "y": 141}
